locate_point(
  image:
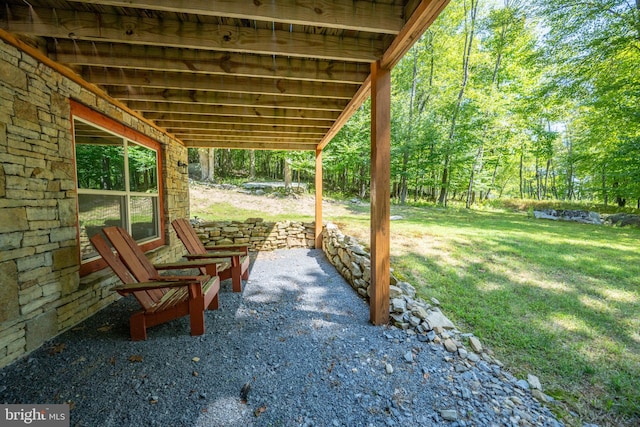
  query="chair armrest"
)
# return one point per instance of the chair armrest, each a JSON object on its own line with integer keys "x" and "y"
{"x": 238, "y": 247}
{"x": 145, "y": 286}
{"x": 213, "y": 255}
{"x": 181, "y": 265}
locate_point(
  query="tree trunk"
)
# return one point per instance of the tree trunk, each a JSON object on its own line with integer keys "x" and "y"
{"x": 538, "y": 180}
{"x": 546, "y": 178}
{"x": 405, "y": 157}
{"x": 493, "y": 179}
{"x": 605, "y": 195}
{"x": 522, "y": 174}
{"x": 207, "y": 158}
{"x": 287, "y": 174}
{"x": 252, "y": 164}
{"x": 476, "y": 164}
{"x": 470, "y": 22}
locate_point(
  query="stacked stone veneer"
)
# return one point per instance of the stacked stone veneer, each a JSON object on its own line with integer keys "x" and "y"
{"x": 41, "y": 291}
{"x": 258, "y": 234}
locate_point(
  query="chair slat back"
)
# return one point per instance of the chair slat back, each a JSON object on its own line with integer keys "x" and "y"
{"x": 146, "y": 299}
{"x": 189, "y": 237}
{"x": 131, "y": 254}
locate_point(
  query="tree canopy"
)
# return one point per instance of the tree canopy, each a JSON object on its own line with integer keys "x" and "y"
{"x": 500, "y": 98}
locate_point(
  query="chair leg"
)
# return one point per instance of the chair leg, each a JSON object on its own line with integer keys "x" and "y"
{"x": 214, "y": 304}
{"x": 138, "y": 327}
{"x": 196, "y": 315}
{"x": 236, "y": 274}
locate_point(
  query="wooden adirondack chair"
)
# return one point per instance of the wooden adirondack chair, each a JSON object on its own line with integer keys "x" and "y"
{"x": 163, "y": 298}
{"x": 239, "y": 254}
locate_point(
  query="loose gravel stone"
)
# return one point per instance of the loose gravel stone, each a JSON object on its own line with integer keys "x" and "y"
{"x": 294, "y": 348}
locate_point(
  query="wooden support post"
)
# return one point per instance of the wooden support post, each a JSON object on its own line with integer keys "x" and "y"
{"x": 318, "y": 183}
{"x": 380, "y": 192}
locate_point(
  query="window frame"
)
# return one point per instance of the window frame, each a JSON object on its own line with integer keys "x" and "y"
{"x": 99, "y": 120}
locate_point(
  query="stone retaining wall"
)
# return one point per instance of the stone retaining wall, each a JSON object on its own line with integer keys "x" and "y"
{"x": 418, "y": 317}
{"x": 259, "y": 235}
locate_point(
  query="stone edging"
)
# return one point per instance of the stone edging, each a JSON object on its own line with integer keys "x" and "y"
{"x": 417, "y": 317}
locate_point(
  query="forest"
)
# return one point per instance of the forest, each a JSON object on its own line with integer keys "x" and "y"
{"x": 534, "y": 99}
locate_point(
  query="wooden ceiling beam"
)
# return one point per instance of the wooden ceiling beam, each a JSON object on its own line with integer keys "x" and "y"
{"x": 229, "y": 99}
{"x": 118, "y": 55}
{"x": 251, "y": 145}
{"x": 228, "y": 136}
{"x": 360, "y": 16}
{"x": 170, "y": 119}
{"x": 103, "y": 27}
{"x": 214, "y": 110}
{"x": 230, "y": 84}
{"x": 249, "y": 129}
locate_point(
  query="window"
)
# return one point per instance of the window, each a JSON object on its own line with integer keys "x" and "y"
{"x": 118, "y": 183}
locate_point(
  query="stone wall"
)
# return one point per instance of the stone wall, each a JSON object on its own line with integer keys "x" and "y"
{"x": 259, "y": 235}
{"x": 41, "y": 291}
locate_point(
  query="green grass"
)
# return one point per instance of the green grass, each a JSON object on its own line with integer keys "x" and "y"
{"x": 220, "y": 211}
{"x": 556, "y": 299}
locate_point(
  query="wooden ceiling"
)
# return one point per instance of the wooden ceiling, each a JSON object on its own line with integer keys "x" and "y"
{"x": 248, "y": 74}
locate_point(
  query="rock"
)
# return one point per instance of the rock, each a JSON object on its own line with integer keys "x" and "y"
{"x": 472, "y": 357}
{"x": 449, "y": 414}
{"x": 407, "y": 288}
{"x": 463, "y": 353}
{"x": 437, "y": 319}
{"x": 623, "y": 219}
{"x": 408, "y": 357}
{"x": 420, "y": 312}
{"x": 435, "y": 301}
{"x": 450, "y": 346}
{"x": 534, "y": 382}
{"x": 395, "y": 217}
{"x": 388, "y": 368}
{"x": 399, "y": 305}
{"x": 545, "y": 215}
{"x": 475, "y": 345}
{"x": 423, "y": 338}
{"x": 394, "y": 292}
{"x": 539, "y": 395}
{"x": 523, "y": 384}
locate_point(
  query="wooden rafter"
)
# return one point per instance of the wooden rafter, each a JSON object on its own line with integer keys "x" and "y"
{"x": 152, "y": 31}
{"x": 221, "y": 83}
{"x": 186, "y": 120}
{"x": 361, "y": 16}
{"x": 124, "y": 56}
{"x": 225, "y": 99}
{"x": 255, "y": 145}
{"x": 218, "y": 110}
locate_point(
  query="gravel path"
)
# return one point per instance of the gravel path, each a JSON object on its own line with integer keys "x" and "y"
{"x": 296, "y": 344}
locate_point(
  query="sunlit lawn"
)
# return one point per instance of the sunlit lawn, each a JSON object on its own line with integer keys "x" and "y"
{"x": 556, "y": 299}
{"x": 559, "y": 300}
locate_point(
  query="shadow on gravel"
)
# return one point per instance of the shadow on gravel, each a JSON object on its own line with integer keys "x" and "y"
{"x": 271, "y": 337}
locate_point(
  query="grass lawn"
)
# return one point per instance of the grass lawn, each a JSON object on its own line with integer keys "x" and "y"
{"x": 558, "y": 300}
